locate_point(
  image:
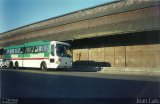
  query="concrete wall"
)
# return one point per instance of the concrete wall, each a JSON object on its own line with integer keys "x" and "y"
{"x": 120, "y": 23}
{"x": 120, "y": 34}
{"x": 125, "y": 50}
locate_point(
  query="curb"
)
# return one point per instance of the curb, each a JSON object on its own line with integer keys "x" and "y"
{"x": 119, "y": 70}
{"x": 133, "y": 71}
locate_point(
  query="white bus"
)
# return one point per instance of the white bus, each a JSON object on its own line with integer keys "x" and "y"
{"x": 1, "y": 63}
{"x": 39, "y": 54}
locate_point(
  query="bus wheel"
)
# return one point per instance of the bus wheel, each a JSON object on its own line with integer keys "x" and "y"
{"x": 16, "y": 65}
{"x": 11, "y": 65}
{"x": 43, "y": 66}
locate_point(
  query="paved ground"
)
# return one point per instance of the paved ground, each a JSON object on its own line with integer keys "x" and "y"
{"x": 73, "y": 87}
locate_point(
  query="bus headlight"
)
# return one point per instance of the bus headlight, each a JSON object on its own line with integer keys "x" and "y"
{"x": 58, "y": 61}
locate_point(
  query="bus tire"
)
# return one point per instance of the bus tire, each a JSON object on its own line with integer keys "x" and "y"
{"x": 11, "y": 65}
{"x": 16, "y": 65}
{"x": 44, "y": 66}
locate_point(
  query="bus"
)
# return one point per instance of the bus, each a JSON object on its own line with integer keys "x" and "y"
{"x": 39, "y": 54}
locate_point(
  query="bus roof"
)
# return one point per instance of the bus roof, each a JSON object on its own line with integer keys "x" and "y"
{"x": 58, "y": 42}
{"x": 11, "y": 47}
{"x": 37, "y": 43}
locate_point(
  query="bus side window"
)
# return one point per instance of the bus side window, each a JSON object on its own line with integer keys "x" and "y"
{"x": 36, "y": 49}
{"x": 1, "y": 51}
{"x": 28, "y": 50}
{"x": 44, "y": 48}
{"x": 4, "y": 52}
{"x": 21, "y": 50}
{"x": 32, "y": 49}
{"x": 52, "y": 50}
{"x": 17, "y": 50}
{"x": 39, "y": 48}
{"x": 7, "y": 51}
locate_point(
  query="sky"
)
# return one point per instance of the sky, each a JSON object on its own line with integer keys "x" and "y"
{"x": 18, "y": 13}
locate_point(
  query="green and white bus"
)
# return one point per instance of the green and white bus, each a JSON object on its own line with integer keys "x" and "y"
{"x": 39, "y": 54}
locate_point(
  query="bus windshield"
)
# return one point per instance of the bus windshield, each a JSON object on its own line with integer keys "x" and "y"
{"x": 63, "y": 50}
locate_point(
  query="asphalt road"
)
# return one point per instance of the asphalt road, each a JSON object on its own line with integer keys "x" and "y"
{"x": 42, "y": 86}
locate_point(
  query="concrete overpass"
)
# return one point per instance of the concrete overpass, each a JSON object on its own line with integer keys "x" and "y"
{"x": 123, "y": 33}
